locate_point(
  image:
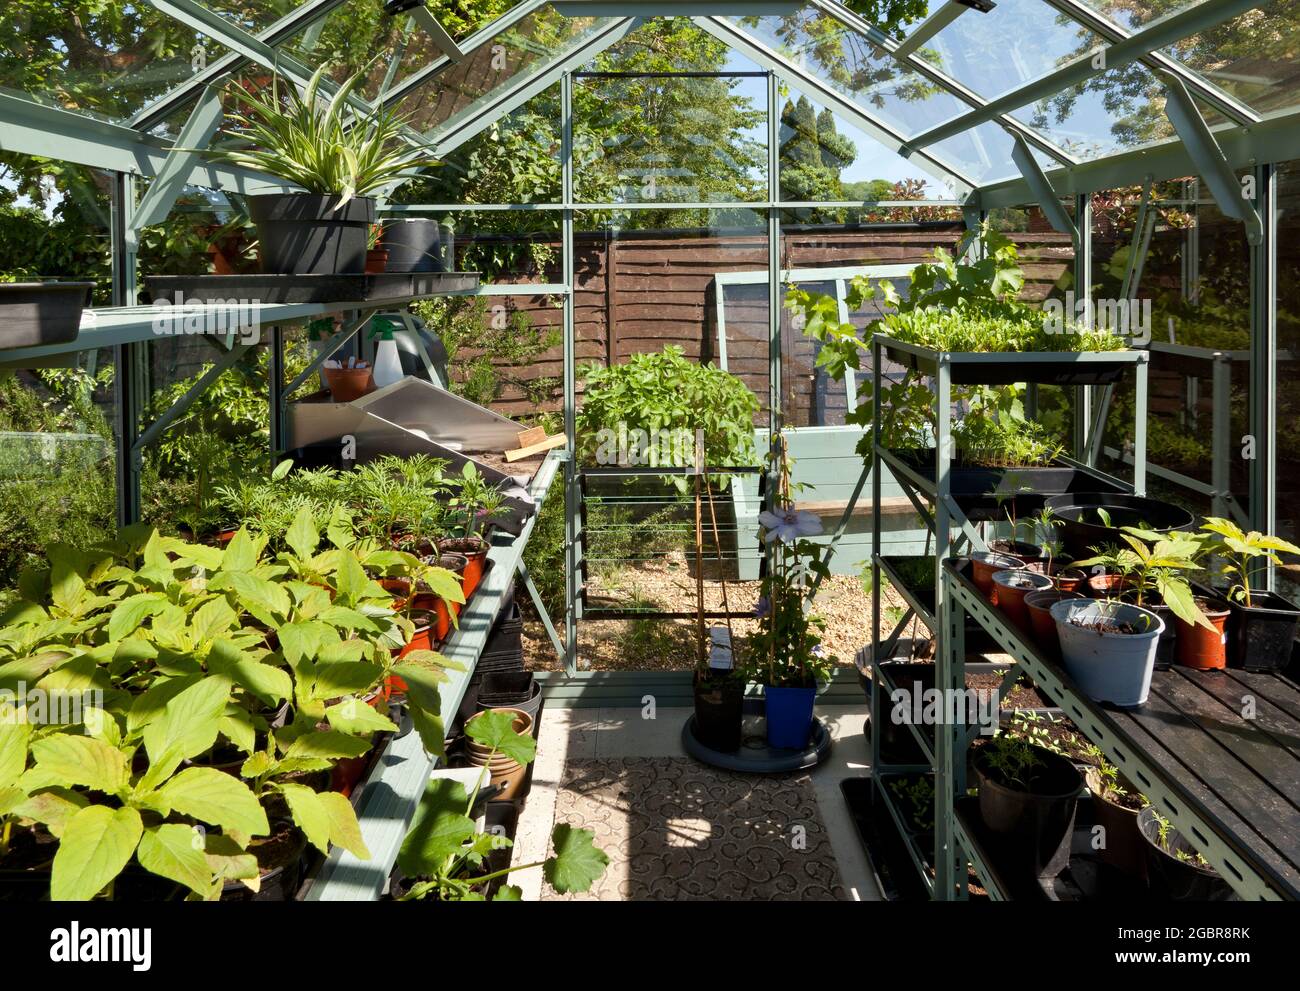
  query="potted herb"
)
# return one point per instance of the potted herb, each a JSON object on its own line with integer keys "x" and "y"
{"x": 444, "y": 855}
{"x": 478, "y": 503}
{"x": 1027, "y": 798}
{"x": 45, "y": 312}
{"x": 1263, "y": 623}
{"x": 338, "y": 155}
{"x": 1116, "y": 804}
{"x": 787, "y": 648}
{"x": 985, "y": 564}
{"x": 1109, "y": 648}
{"x": 1149, "y": 571}
{"x": 1175, "y": 867}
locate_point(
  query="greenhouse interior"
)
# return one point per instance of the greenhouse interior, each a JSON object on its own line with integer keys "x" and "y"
{"x": 649, "y": 451}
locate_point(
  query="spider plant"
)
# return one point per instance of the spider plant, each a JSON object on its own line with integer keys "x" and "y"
{"x": 326, "y": 146}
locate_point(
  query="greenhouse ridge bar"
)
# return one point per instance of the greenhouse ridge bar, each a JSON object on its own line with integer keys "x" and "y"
{"x": 650, "y": 450}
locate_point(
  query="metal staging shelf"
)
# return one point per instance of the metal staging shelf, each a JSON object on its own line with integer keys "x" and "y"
{"x": 946, "y": 521}
{"x": 393, "y": 790}
{"x": 1230, "y": 785}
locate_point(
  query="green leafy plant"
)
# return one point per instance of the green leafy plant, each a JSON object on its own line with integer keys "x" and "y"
{"x": 1155, "y": 566}
{"x": 666, "y": 391}
{"x": 444, "y": 852}
{"x": 1241, "y": 552}
{"x": 327, "y": 147}
{"x": 1012, "y": 760}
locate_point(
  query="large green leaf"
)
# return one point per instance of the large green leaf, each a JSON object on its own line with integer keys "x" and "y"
{"x": 495, "y": 729}
{"x": 303, "y": 536}
{"x": 309, "y": 813}
{"x": 80, "y": 760}
{"x": 269, "y": 683}
{"x": 14, "y": 736}
{"x": 357, "y": 718}
{"x": 439, "y": 830}
{"x": 215, "y": 798}
{"x": 577, "y": 862}
{"x": 329, "y": 745}
{"x": 132, "y": 611}
{"x": 189, "y": 722}
{"x": 350, "y": 580}
{"x": 97, "y": 844}
{"x": 345, "y": 831}
{"x": 176, "y": 852}
{"x": 347, "y": 678}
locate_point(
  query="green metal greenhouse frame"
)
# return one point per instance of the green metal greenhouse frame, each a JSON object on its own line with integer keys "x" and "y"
{"x": 1047, "y": 175}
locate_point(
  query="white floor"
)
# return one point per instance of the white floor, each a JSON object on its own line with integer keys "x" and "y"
{"x": 575, "y": 734}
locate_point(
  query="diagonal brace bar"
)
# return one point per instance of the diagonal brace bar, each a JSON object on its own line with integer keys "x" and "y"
{"x": 197, "y": 389}
{"x": 1048, "y": 201}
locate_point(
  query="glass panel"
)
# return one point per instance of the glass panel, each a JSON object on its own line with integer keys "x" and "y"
{"x": 57, "y": 463}
{"x": 1288, "y": 371}
{"x": 1117, "y": 110}
{"x": 254, "y": 16}
{"x": 521, "y": 52}
{"x": 671, "y": 139}
{"x": 825, "y": 158}
{"x": 358, "y": 38}
{"x": 852, "y": 65}
{"x": 517, "y": 160}
{"x": 983, "y": 153}
{"x": 1133, "y": 14}
{"x": 107, "y": 60}
{"x": 1253, "y": 57}
{"x": 1196, "y": 280}
{"x": 1017, "y": 41}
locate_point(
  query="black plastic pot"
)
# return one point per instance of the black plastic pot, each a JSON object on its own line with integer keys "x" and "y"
{"x": 307, "y": 234}
{"x": 1034, "y": 827}
{"x": 413, "y": 245}
{"x": 1178, "y": 880}
{"x": 37, "y": 313}
{"x": 718, "y": 709}
{"x": 1262, "y": 636}
{"x": 511, "y": 690}
{"x": 897, "y": 743}
{"x": 1167, "y": 645}
{"x": 1080, "y": 529}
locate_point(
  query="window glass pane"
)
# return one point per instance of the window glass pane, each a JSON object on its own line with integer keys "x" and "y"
{"x": 1288, "y": 371}
{"x": 107, "y": 60}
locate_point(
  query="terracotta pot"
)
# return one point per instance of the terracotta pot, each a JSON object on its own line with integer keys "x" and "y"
{"x": 348, "y": 384}
{"x": 1041, "y": 624}
{"x": 504, "y": 771}
{"x": 1106, "y": 586}
{"x": 1203, "y": 649}
{"x": 985, "y": 563}
{"x": 376, "y": 261}
{"x": 1012, "y": 586}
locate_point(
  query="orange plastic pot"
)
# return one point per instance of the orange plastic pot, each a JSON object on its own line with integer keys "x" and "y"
{"x": 348, "y": 384}
{"x": 1199, "y": 648}
{"x": 1106, "y": 586}
{"x": 985, "y": 563}
{"x": 1012, "y": 585}
{"x": 1041, "y": 623}
{"x": 474, "y": 551}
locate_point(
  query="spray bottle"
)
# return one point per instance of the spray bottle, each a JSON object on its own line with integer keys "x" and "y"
{"x": 388, "y": 363}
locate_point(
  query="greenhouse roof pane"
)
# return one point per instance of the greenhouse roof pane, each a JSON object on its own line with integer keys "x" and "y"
{"x": 355, "y": 39}
{"x": 1255, "y": 57}
{"x": 106, "y": 62}
{"x": 856, "y": 67}
{"x": 521, "y": 52}
{"x": 1016, "y": 42}
{"x": 1117, "y": 111}
{"x": 984, "y": 154}
{"x": 253, "y": 15}
{"x": 1133, "y": 14}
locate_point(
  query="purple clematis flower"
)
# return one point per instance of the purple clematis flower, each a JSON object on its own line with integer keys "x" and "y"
{"x": 762, "y": 608}
{"x": 788, "y": 524}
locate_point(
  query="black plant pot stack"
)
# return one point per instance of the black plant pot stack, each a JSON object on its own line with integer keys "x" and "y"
{"x": 1263, "y": 635}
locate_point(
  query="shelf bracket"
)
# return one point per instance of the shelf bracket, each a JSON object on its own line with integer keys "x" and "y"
{"x": 1212, "y": 164}
{"x": 1038, "y": 184}
{"x": 178, "y": 409}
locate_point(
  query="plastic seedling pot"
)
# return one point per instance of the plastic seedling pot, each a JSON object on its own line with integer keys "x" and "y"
{"x": 1012, "y": 587}
{"x": 1179, "y": 878}
{"x": 36, "y": 313}
{"x": 1041, "y": 623}
{"x": 308, "y": 234}
{"x": 719, "y": 703}
{"x": 789, "y": 716}
{"x": 1263, "y": 635}
{"x": 985, "y": 563}
{"x": 1121, "y": 844}
{"x": 1199, "y": 648}
{"x": 1108, "y": 666}
{"x": 1035, "y": 826}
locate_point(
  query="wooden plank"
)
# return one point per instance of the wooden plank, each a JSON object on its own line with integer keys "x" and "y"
{"x": 1279, "y": 691}
{"x": 1283, "y": 727}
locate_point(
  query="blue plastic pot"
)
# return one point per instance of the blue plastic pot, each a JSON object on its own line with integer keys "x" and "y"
{"x": 789, "y": 716}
